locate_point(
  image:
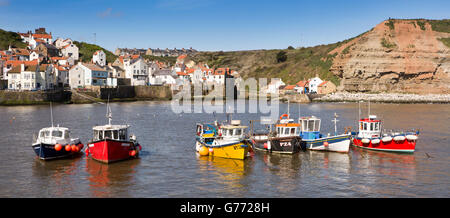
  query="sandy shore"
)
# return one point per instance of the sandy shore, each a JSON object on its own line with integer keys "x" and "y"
{"x": 385, "y": 97}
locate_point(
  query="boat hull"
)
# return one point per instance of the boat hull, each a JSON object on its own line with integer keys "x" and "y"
{"x": 404, "y": 146}
{"x": 47, "y": 151}
{"x": 108, "y": 151}
{"x": 340, "y": 143}
{"x": 236, "y": 150}
{"x": 283, "y": 145}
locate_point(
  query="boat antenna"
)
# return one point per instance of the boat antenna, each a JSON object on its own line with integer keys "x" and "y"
{"x": 288, "y": 108}
{"x": 108, "y": 112}
{"x": 369, "y": 109}
{"x": 51, "y": 113}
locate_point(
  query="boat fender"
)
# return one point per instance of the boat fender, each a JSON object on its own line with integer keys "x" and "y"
{"x": 399, "y": 138}
{"x": 74, "y": 148}
{"x": 211, "y": 150}
{"x": 365, "y": 141}
{"x": 386, "y": 139}
{"x": 133, "y": 153}
{"x": 140, "y": 147}
{"x": 325, "y": 144}
{"x": 58, "y": 147}
{"x": 375, "y": 141}
{"x": 68, "y": 148}
{"x": 411, "y": 137}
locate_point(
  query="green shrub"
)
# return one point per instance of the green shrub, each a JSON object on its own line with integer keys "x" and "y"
{"x": 281, "y": 57}
{"x": 440, "y": 25}
{"x": 446, "y": 41}
{"x": 385, "y": 43}
{"x": 421, "y": 24}
{"x": 390, "y": 24}
{"x": 86, "y": 51}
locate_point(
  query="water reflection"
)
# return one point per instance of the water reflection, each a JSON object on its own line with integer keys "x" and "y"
{"x": 227, "y": 172}
{"x": 107, "y": 180}
{"x": 285, "y": 167}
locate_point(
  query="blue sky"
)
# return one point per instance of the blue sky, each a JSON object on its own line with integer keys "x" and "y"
{"x": 211, "y": 25}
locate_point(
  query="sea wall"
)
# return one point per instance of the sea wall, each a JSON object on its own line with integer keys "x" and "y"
{"x": 136, "y": 92}
{"x": 385, "y": 98}
{"x": 33, "y": 97}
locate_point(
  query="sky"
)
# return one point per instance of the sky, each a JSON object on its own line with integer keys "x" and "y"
{"x": 211, "y": 25}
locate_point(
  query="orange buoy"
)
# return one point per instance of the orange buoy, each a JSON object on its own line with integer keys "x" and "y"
{"x": 68, "y": 148}
{"x": 203, "y": 151}
{"x": 133, "y": 153}
{"x": 74, "y": 148}
{"x": 325, "y": 144}
{"x": 58, "y": 147}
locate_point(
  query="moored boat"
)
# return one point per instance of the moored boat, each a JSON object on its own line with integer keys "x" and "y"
{"x": 314, "y": 140}
{"x": 370, "y": 137}
{"x": 55, "y": 142}
{"x": 285, "y": 139}
{"x": 222, "y": 140}
{"x": 111, "y": 143}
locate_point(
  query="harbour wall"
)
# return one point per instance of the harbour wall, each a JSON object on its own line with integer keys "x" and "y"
{"x": 11, "y": 98}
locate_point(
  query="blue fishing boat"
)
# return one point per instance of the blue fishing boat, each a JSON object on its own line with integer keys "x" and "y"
{"x": 55, "y": 142}
{"x": 312, "y": 139}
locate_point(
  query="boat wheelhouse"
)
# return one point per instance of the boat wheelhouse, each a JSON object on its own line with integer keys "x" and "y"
{"x": 314, "y": 140}
{"x": 284, "y": 139}
{"x": 112, "y": 143}
{"x": 55, "y": 142}
{"x": 370, "y": 136}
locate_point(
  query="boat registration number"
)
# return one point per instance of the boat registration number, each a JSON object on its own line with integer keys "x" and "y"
{"x": 285, "y": 144}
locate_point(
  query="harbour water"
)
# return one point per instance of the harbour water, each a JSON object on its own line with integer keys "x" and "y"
{"x": 169, "y": 166}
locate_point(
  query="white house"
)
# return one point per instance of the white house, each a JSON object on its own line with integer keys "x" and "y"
{"x": 30, "y": 77}
{"x": 99, "y": 58}
{"x": 70, "y": 50}
{"x": 86, "y": 75}
{"x": 314, "y": 83}
{"x": 136, "y": 70}
{"x": 60, "y": 43}
{"x": 274, "y": 85}
{"x": 163, "y": 77}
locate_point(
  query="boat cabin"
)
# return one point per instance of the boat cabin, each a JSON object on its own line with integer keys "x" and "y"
{"x": 310, "y": 127}
{"x": 233, "y": 131}
{"x": 369, "y": 127}
{"x": 286, "y": 127}
{"x": 53, "y": 135}
{"x": 113, "y": 132}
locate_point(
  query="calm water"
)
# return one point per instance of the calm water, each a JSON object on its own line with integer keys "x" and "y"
{"x": 169, "y": 166}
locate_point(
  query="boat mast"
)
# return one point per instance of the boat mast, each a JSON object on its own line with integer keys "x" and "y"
{"x": 288, "y": 109}
{"x": 335, "y": 121}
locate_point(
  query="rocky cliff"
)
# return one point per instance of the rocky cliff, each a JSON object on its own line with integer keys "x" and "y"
{"x": 408, "y": 56}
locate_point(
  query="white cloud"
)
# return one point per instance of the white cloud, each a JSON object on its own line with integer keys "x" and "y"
{"x": 108, "y": 13}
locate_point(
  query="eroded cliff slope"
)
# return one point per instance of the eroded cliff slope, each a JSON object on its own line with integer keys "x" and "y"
{"x": 409, "y": 56}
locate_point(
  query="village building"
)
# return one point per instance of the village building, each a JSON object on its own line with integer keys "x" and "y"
{"x": 30, "y": 77}
{"x": 163, "y": 77}
{"x": 302, "y": 86}
{"x": 137, "y": 70}
{"x": 274, "y": 86}
{"x": 70, "y": 50}
{"x": 47, "y": 50}
{"x": 326, "y": 87}
{"x": 314, "y": 84}
{"x": 85, "y": 75}
{"x": 99, "y": 58}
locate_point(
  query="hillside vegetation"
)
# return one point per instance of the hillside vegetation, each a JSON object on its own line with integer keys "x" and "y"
{"x": 86, "y": 51}
{"x": 10, "y": 38}
{"x": 291, "y": 65}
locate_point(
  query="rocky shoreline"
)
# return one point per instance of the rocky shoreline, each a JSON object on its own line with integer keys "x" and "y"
{"x": 385, "y": 98}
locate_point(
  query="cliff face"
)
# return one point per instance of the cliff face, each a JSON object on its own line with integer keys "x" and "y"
{"x": 396, "y": 56}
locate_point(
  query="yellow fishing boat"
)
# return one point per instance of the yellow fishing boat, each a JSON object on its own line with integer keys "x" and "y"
{"x": 227, "y": 141}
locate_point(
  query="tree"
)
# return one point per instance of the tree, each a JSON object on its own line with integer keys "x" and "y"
{"x": 281, "y": 56}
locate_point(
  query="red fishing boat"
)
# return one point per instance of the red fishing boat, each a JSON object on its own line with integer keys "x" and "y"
{"x": 111, "y": 143}
{"x": 371, "y": 137}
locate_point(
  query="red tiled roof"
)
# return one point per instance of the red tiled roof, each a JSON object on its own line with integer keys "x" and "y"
{"x": 182, "y": 57}
{"x": 59, "y": 58}
{"x": 289, "y": 87}
{"x": 42, "y": 36}
{"x": 302, "y": 83}
{"x": 15, "y": 63}
{"x": 182, "y": 74}
{"x": 323, "y": 83}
